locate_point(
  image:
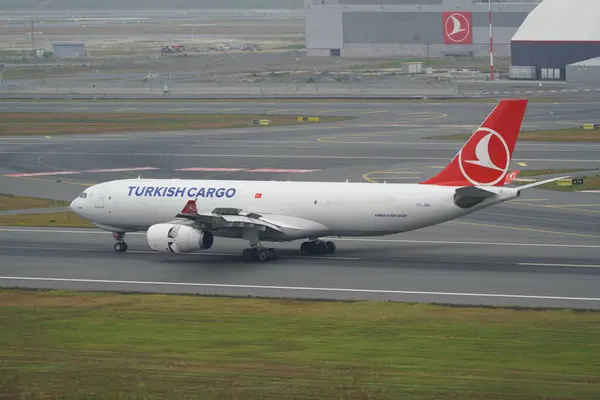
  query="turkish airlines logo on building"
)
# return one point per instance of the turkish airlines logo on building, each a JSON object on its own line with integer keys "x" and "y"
{"x": 457, "y": 28}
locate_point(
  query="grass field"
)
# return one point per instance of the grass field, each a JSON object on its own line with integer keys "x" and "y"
{"x": 591, "y": 180}
{"x": 547, "y": 171}
{"x": 550, "y": 135}
{"x": 59, "y": 219}
{"x": 589, "y": 183}
{"x": 10, "y": 202}
{"x": 28, "y": 123}
{"x": 93, "y": 345}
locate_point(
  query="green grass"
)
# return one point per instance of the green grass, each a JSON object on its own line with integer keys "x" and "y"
{"x": 27, "y": 123}
{"x": 548, "y": 171}
{"x": 547, "y": 135}
{"x": 589, "y": 183}
{"x": 10, "y": 202}
{"x": 93, "y": 345}
{"x": 59, "y": 219}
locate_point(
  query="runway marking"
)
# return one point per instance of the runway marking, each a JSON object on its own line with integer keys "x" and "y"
{"x": 282, "y": 170}
{"x": 408, "y": 241}
{"x": 291, "y": 156}
{"x": 229, "y": 109}
{"x": 299, "y": 288}
{"x": 80, "y": 172}
{"x": 247, "y": 170}
{"x": 375, "y": 112}
{"x": 524, "y": 229}
{"x": 557, "y": 207}
{"x": 336, "y": 258}
{"x": 76, "y": 109}
{"x": 209, "y": 169}
{"x": 560, "y": 265}
{"x": 126, "y": 109}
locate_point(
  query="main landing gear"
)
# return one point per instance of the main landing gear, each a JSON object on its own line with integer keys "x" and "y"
{"x": 257, "y": 253}
{"x": 317, "y": 247}
{"x": 120, "y": 246}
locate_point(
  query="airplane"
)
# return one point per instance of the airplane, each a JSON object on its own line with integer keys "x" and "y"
{"x": 285, "y": 211}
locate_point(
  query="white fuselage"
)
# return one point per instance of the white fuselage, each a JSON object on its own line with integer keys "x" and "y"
{"x": 320, "y": 208}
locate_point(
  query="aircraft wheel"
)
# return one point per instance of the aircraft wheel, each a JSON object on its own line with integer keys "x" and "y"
{"x": 247, "y": 255}
{"x": 263, "y": 256}
{"x": 121, "y": 247}
{"x": 305, "y": 248}
{"x": 321, "y": 248}
{"x": 272, "y": 254}
{"x": 330, "y": 247}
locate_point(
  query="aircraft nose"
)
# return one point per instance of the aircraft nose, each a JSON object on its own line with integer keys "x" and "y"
{"x": 75, "y": 206}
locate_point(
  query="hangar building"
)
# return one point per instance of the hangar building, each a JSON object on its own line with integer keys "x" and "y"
{"x": 556, "y": 34}
{"x": 435, "y": 28}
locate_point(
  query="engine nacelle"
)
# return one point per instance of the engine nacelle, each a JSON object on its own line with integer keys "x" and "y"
{"x": 172, "y": 238}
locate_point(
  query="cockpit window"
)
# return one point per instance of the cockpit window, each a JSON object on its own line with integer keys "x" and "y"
{"x": 83, "y": 195}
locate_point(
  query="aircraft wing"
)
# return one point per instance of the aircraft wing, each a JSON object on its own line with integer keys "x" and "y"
{"x": 235, "y": 218}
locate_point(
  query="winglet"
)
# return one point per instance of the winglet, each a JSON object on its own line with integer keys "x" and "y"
{"x": 485, "y": 158}
{"x": 190, "y": 208}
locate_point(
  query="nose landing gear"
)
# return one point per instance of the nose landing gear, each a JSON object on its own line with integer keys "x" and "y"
{"x": 120, "y": 246}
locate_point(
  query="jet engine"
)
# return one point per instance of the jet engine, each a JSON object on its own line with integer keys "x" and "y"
{"x": 173, "y": 238}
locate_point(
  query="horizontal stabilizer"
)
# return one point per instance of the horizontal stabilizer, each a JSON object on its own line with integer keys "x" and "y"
{"x": 470, "y": 196}
{"x": 538, "y": 183}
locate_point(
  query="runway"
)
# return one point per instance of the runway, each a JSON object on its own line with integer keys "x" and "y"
{"x": 541, "y": 250}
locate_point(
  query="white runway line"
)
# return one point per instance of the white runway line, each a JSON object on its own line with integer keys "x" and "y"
{"x": 298, "y": 288}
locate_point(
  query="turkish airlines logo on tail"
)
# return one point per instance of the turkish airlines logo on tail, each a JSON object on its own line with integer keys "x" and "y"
{"x": 457, "y": 28}
{"x": 485, "y": 159}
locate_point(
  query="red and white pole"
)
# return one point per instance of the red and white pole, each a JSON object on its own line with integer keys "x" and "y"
{"x": 491, "y": 41}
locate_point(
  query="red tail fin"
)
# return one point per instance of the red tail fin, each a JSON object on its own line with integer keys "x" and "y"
{"x": 485, "y": 158}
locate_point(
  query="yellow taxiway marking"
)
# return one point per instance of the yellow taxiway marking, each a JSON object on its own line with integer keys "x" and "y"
{"x": 126, "y": 109}
{"x": 281, "y": 110}
{"x": 579, "y": 205}
{"x": 326, "y": 111}
{"x": 525, "y": 229}
{"x": 367, "y": 176}
{"x": 522, "y": 164}
{"x": 559, "y": 207}
{"x": 178, "y": 109}
{"x": 374, "y": 112}
{"x": 229, "y": 109}
{"x": 526, "y": 200}
{"x": 77, "y": 109}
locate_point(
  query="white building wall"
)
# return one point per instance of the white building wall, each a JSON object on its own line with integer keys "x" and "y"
{"x": 326, "y": 24}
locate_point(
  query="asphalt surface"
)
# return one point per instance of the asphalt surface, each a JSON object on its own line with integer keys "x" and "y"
{"x": 542, "y": 250}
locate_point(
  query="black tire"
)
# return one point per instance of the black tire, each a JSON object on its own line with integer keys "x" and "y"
{"x": 247, "y": 255}
{"x": 321, "y": 248}
{"x": 330, "y": 247}
{"x": 120, "y": 247}
{"x": 263, "y": 256}
{"x": 272, "y": 254}
{"x": 305, "y": 248}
